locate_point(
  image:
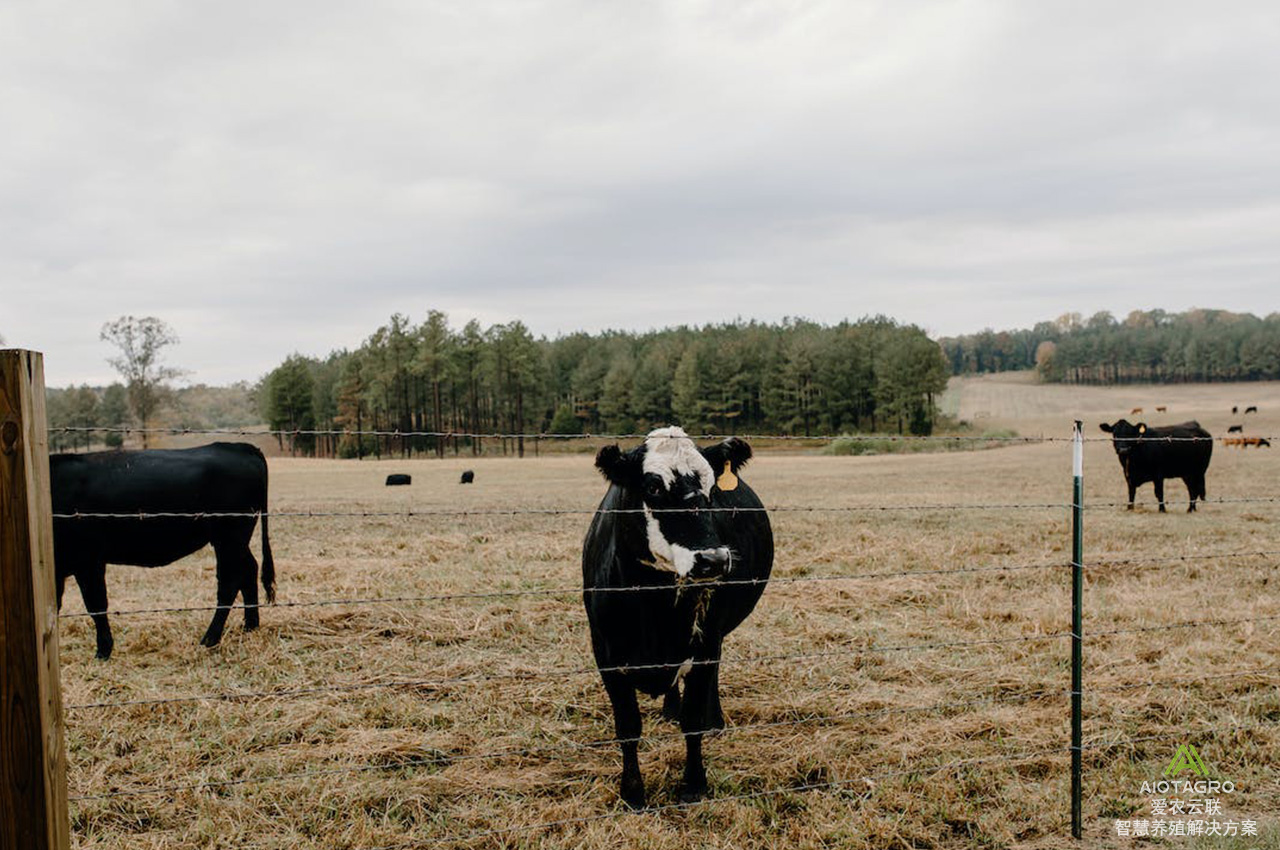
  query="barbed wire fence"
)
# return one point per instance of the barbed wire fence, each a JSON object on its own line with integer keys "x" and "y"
{"x": 1064, "y": 570}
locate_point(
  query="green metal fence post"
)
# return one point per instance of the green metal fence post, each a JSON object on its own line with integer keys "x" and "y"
{"x": 1077, "y": 633}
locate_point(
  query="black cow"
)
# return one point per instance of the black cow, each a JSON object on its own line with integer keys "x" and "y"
{"x": 399, "y": 479}
{"x": 1154, "y": 454}
{"x": 1235, "y": 429}
{"x": 220, "y": 478}
{"x": 1251, "y": 409}
{"x": 467, "y": 477}
{"x": 662, "y": 524}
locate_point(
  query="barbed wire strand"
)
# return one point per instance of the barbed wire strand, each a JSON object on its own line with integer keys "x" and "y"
{"x": 497, "y": 512}
{"x": 1105, "y": 561}
{"x": 539, "y": 435}
{"x": 525, "y": 675}
{"x": 484, "y": 512}
{"x": 831, "y": 785}
{"x": 750, "y": 659}
{"x": 1180, "y": 680}
{"x": 447, "y": 760}
{"x": 544, "y": 749}
{"x": 699, "y": 584}
{"x": 1183, "y": 625}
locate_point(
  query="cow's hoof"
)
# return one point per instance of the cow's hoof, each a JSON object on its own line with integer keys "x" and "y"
{"x": 211, "y": 640}
{"x": 633, "y": 792}
{"x": 103, "y": 653}
{"x": 690, "y": 794}
{"x": 250, "y": 627}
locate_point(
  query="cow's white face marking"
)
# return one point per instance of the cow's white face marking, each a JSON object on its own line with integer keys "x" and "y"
{"x": 667, "y": 555}
{"x": 670, "y": 452}
{"x": 673, "y": 557}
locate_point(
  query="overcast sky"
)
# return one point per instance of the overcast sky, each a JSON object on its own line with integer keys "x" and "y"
{"x": 271, "y": 177}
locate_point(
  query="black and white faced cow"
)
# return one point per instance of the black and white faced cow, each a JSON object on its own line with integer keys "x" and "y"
{"x": 220, "y": 478}
{"x": 666, "y": 524}
{"x": 1156, "y": 453}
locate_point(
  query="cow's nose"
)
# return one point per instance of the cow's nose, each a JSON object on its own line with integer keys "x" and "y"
{"x": 710, "y": 563}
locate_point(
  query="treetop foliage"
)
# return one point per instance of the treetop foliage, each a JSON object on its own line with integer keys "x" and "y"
{"x": 1150, "y": 346}
{"x": 796, "y": 377}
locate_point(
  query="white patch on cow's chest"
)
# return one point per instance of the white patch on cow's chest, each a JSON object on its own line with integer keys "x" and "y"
{"x": 682, "y": 672}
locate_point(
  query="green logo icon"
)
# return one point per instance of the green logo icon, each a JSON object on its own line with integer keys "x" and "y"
{"x": 1186, "y": 758}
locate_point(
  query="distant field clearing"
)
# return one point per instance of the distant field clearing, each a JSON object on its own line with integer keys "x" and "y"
{"x": 1018, "y": 400}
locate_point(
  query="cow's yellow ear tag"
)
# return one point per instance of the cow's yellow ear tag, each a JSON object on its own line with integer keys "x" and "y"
{"x": 1142, "y": 429}
{"x": 727, "y": 480}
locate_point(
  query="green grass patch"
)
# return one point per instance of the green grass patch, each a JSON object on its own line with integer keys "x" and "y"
{"x": 877, "y": 444}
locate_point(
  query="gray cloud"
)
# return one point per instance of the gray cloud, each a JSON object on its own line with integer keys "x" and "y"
{"x": 283, "y": 176}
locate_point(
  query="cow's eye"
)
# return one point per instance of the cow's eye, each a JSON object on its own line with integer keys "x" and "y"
{"x": 653, "y": 488}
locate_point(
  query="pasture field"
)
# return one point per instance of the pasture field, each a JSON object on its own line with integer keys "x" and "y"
{"x": 480, "y": 729}
{"x": 1018, "y": 400}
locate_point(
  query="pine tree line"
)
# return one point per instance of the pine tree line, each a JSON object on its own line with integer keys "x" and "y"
{"x": 796, "y": 377}
{"x": 1148, "y": 346}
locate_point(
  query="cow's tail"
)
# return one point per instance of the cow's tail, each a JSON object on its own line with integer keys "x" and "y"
{"x": 268, "y": 565}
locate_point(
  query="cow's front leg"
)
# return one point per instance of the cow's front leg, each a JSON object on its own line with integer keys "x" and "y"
{"x": 92, "y": 579}
{"x": 697, "y": 716}
{"x": 1133, "y": 491}
{"x": 626, "y": 725}
{"x": 671, "y": 703}
{"x": 1159, "y": 483}
{"x": 695, "y": 774}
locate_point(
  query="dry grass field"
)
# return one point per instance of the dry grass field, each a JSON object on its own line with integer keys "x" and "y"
{"x": 479, "y": 725}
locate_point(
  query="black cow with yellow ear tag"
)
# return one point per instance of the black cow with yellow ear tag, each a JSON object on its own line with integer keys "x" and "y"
{"x": 676, "y": 557}
{"x": 1156, "y": 453}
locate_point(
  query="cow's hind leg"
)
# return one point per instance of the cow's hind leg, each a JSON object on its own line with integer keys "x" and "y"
{"x": 626, "y": 724}
{"x": 230, "y": 565}
{"x": 1195, "y": 487}
{"x": 92, "y": 579}
{"x": 249, "y": 590}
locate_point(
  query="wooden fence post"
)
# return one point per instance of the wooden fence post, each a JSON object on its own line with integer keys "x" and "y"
{"x": 33, "y": 777}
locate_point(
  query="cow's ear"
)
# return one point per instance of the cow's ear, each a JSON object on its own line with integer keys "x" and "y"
{"x": 1105, "y": 427}
{"x": 626, "y": 469}
{"x": 732, "y": 451}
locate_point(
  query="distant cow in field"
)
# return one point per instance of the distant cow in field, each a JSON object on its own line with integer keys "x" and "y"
{"x": 1161, "y": 409}
{"x": 224, "y": 483}
{"x": 467, "y": 477}
{"x": 1251, "y": 409}
{"x": 669, "y": 568}
{"x": 1156, "y": 453}
{"x": 1235, "y": 409}
{"x": 399, "y": 479}
{"x": 1245, "y": 442}
{"x": 1136, "y": 410}
{"x": 1235, "y": 429}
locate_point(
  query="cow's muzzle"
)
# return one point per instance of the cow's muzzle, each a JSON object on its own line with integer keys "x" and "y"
{"x": 711, "y": 563}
